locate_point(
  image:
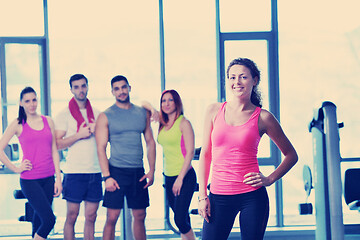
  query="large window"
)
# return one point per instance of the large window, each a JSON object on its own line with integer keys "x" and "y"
{"x": 101, "y": 40}
{"x": 319, "y": 61}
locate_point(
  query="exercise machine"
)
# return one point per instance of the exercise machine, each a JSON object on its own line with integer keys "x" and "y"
{"x": 327, "y": 176}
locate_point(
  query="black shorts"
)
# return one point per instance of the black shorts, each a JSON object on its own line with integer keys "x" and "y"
{"x": 128, "y": 179}
{"x": 78, "y": 187}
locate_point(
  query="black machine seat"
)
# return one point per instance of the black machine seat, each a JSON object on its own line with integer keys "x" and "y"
{"x": 29, "y": 211}
{"x": 352, "y": 188}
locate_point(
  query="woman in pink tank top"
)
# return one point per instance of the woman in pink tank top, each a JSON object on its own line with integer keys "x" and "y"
{"x": 40, "y": 161}
{"x": 232, "y": 132}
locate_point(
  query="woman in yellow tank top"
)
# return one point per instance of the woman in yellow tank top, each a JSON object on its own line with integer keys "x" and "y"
{"x": 176, "y": 136}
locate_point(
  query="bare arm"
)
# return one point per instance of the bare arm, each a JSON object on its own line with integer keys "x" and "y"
{"x": 13, "y": 129}
{"x": 56, "y": 159}
{"x": 151, "y": 152}
{"x": 189, "y": 140}
{"x": 154, "y": 113}
{"x": 65, "y": 142}
{"x": 102, "y": 138}
{"x": 205, "y": 154}
{"x": 205, "y": 161}
{"x": 269, "y": 125}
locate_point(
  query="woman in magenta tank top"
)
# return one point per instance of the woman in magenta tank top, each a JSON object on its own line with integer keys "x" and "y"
{"x": 232, "y": 132}
{"x": 40, "y": 161}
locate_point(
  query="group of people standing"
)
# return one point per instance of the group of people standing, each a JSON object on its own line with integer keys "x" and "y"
{"x": 232, "y": 131}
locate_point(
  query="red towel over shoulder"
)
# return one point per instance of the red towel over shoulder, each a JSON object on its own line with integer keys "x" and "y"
{"x": 75, "y": 112}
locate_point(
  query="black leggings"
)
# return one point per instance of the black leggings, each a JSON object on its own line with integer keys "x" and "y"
{"x": 254, "y": 214}
{"x": 39, "y": 193}
{"x": 180, "y": 204}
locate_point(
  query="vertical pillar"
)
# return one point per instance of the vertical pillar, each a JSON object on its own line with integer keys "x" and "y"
{"x": 126, "y": 223}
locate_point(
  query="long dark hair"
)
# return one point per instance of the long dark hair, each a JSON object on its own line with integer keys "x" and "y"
{"x": 22, "y": 115}
{"x": 255, "y": 72}
{"x": 164, "y": 118}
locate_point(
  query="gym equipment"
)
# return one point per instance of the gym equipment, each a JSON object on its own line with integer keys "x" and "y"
{"x": 12, "y": 151}
{"x": 306, "y": 208}
{"x": 328, "y": 186}
{"x": 29, "y": 211}
{"x": 352, "y": 189}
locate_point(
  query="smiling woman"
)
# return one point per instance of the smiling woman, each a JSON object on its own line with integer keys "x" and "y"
{"x": 232, "y": 132}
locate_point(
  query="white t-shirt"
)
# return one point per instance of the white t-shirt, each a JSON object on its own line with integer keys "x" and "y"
{"x": 82, "y": 155}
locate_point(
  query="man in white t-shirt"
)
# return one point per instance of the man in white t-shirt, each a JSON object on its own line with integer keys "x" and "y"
{"x": 74, "y": 130}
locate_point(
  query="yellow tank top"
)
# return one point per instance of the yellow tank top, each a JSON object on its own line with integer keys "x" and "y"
{"x": 172, "y": 142}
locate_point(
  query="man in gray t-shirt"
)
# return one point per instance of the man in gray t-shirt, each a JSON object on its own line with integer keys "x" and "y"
{"x": 122, "y": 125}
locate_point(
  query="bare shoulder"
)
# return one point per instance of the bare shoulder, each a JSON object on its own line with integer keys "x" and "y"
{"x": 213, "y": 109}
{"x": 15, "y": 125}
{"x": 185, "y": 122}
{"x": 267, "y": 121}
{"x": 50, "y": 120}
{"x": 102, "y": 118}
{"x": 266, "y": 115}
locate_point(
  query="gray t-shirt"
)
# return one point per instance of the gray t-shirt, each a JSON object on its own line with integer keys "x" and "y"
{"x": 125, "y": 129}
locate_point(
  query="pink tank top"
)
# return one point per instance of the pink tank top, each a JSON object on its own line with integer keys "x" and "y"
{"x": 36, "y": 146}
{"x": 234, "y": 154}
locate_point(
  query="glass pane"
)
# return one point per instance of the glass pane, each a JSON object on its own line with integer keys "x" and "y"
{"x": 22, "y": 69}
{"x": 121, "y": 39}
{"x": 245, "y": 16}
{"x": 319, "y": 61}
{"x": 21, "y": 18}
{"x": 256, "y": 51}
{"x": 190, "y": 58}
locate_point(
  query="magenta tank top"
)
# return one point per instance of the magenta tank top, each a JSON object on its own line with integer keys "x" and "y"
{"x": 36, "y": 146}
{"x": 234, "y": 153}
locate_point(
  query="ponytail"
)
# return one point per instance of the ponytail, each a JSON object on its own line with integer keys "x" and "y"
{"x": 22, "y": 115}
{"x": 256, "y": 98}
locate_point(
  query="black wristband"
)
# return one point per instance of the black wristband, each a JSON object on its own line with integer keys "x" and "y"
{"x": 105, "y": 178}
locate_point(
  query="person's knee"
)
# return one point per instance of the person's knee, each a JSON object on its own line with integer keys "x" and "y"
{"x": 112, "y": 217}
{"x": 71, "y": 216}
{"x": 182, "y": 224}
{"x": 90, "y": 217}
{"x": 52, "y": 221}
{"x": 46, "y": 227}
{"x": 139, "y": 215}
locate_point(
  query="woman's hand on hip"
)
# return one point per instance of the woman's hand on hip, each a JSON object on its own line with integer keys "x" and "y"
{"x": 256, "y": 179}
{"x": 24, "y": 166}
